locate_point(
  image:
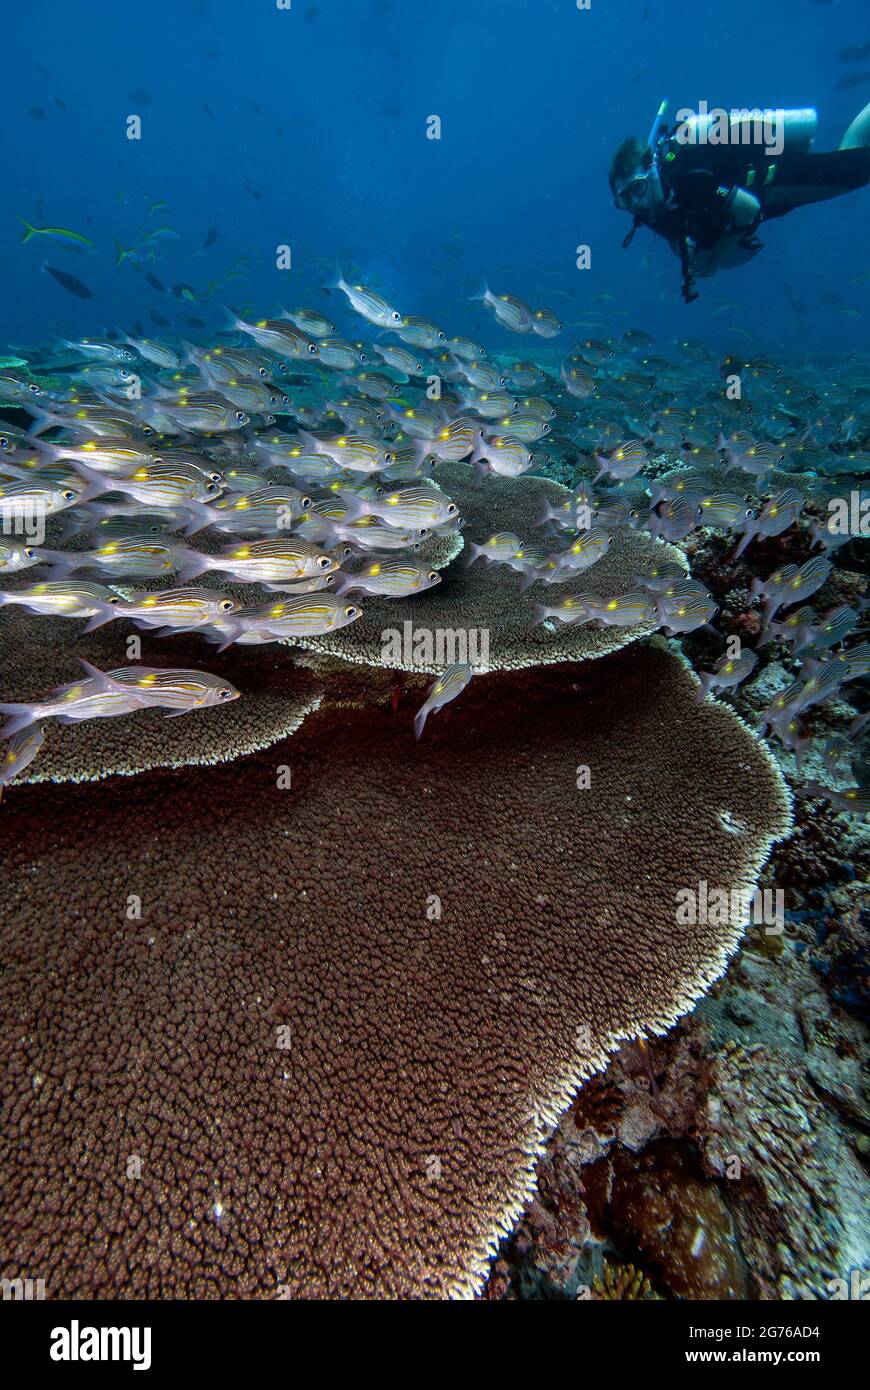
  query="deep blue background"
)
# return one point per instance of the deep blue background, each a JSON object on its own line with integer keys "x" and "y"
{"x": 533, "y": 95}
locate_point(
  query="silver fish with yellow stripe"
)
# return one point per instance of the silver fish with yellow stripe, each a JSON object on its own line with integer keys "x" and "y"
{"x": 417, "y": 507}
{"x": 389, "y": 578}
{"x": 449, "y": 684}
{"x": 304, "y": 615}
{"x": 179, "y": 691}
{"x": 68, "y": 598}
{"x": 179, "y": 609}
{"x": 19, "y": 753}
{"x": 270, "y": 560}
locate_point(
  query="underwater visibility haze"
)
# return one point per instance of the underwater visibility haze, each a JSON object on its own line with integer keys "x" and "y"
{"x": 434, "y": 529}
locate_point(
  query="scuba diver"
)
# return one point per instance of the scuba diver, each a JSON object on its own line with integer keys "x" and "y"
{"x": 707, "y": 184}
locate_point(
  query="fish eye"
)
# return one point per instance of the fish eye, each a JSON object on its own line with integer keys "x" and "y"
{"x": 114, "y": 599}
{"x": 261, "y": 371}
{"x": 32, "y": 386}
{"x": 748, "y": 512}
{"x": 4, "y": 442}
{"x": 306, "y": 504}
{"x": 225, "y": 694}
{"x": 451, "y": 510}
{"x": 215, "y": 477}
{"x": 68, "y": 495}
{"x": 312, "y": 349}
{"x": 433, "y": 574}
{"x": 240, "y": 416}
{"x": 350, "y": 611}
{"x": 395, "y": 316}
{"x": 29, "y": 552}
{"x": 226, "y": 605}
{"x": 324, "y": 562}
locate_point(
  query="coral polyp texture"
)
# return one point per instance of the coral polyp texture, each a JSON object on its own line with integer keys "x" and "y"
{"x": 300, "y": 1024}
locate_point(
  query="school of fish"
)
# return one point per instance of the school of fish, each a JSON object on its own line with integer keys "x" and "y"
{"x": 308, "y": 457}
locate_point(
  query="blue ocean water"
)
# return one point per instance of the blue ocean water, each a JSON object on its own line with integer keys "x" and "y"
{"x": 307, "y": 127}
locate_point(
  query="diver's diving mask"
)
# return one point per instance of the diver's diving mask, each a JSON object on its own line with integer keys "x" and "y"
{"x": 632, "y": 194}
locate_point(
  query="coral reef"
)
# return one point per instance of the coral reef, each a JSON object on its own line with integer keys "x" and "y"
{"x": 247, "y": 1055}
{"x": 755, "y": 1098}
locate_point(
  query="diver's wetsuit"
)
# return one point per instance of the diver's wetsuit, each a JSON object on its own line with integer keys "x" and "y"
{"x": 697, "y": 179}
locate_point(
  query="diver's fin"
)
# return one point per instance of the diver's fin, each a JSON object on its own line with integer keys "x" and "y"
{"x": 858, "y": 133}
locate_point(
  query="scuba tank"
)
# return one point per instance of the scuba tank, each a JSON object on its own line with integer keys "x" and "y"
{"x": 792, "y": 130}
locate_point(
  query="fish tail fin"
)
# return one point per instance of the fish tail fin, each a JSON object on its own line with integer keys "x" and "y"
{"x": 744, "y": 541}
{"x": 482, "y": 292}
{"x": 29, "y": 231}
{"x": 706, "y": 679}
{"x": 21, "y": 717}
{"x": 198, "y": 518}
{"x": 355, "y": 506}
{"x": 95, "y": 488}
{"x": 64, "y": 562}
{"x": 191, "y": 566}
{"x": 94, "y": 673}
{"x": 421, "y": 451}
{"x": 527, "y": 579}
{"x": 338, "y": 281}
{"x": 232, "y": 322}
{"x": 475, "y": 552}
{"x": 98, "y": 620}
{"x": 479, "y": 450}
{"x": 188, "y": 357}
{"x": 540, "y": 613}
{"x": 481, "y": 472}
{"x": 42, "y": 420}
{"x": 419, "y": 720}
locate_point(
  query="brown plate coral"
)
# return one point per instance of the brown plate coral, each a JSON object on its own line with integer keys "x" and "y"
{"x": 297, "y": 1024}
